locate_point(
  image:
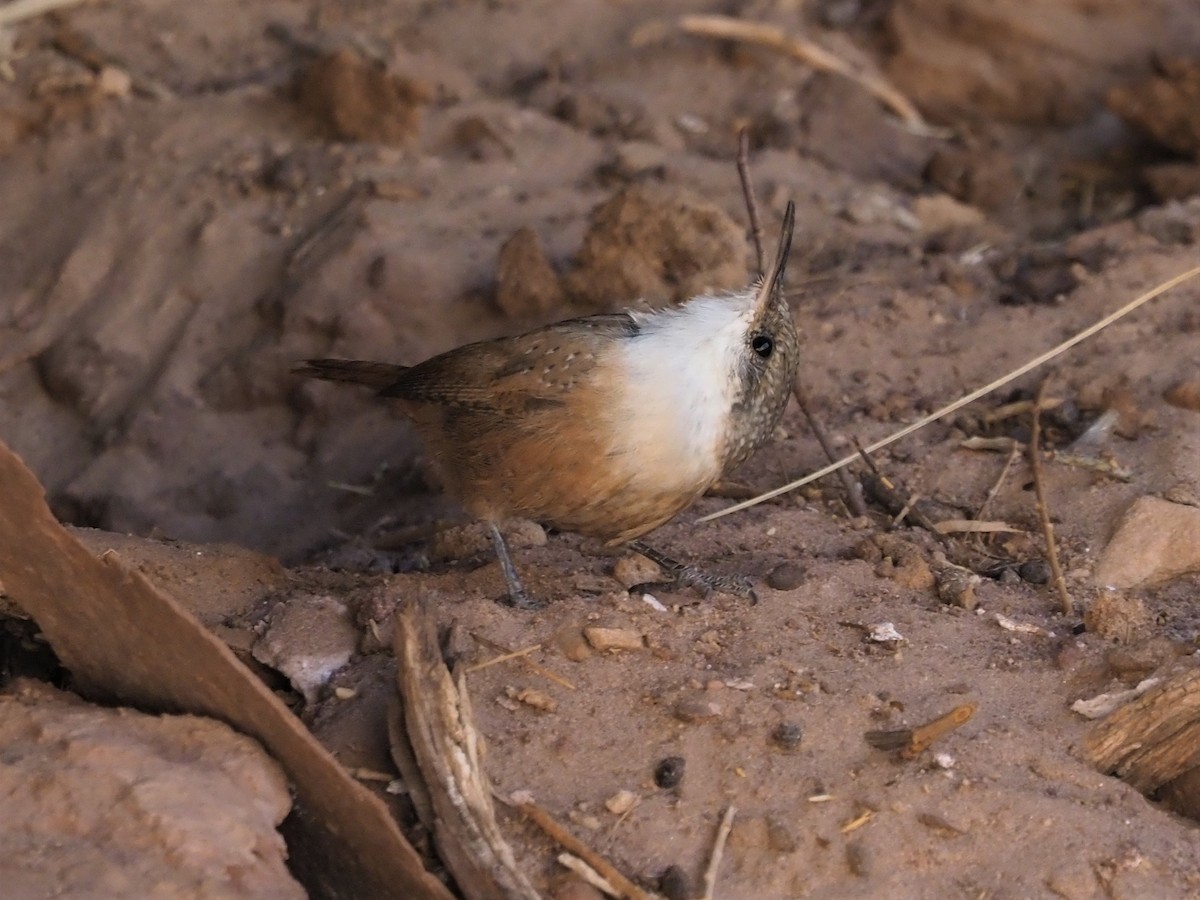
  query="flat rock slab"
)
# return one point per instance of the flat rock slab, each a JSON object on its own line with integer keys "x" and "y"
{"x": 105, "y": 802}
{"x": 1156, "y": 541}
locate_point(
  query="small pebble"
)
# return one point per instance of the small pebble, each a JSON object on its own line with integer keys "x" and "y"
{"x": 636, "y": 569}
{"x": 788, "y": 735}
{"x": 698, "y": 707}
{"x": 1034, "y": 571}
{"x": 572, "y": 644}
{"x": 787, "y": 576}
{"x": 603, "y": 639}
{"x": 669, "y": 772}
{"x": 1184, "y": 394}
{"x": 621, "y": 802}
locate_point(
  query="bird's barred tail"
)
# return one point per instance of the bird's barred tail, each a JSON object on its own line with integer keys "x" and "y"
{"x": 372, "y": 374}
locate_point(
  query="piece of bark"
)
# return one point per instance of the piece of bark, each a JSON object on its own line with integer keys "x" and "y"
{"x": 1154, "y": 739}
{"x": 126, "y": 641}
{"x": 449, "y": 752}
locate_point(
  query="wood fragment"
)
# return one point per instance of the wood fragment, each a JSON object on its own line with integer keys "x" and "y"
{"x": 809, "y": 53}
{"x": 127, "y": 641}
{"x": 718, "y": 851}
{"x": 858, "y": 821}
{"x": 912, "y": 742}
{"x": 1153, "y": 739}
{"x": 1043, "y": 508}
{"x": 587, "y": 873}
{"x": 439, "y": 726}
{"x": 561, "y": 836}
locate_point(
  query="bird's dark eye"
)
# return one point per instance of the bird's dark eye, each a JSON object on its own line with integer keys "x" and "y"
{"x": 762, "y": 345}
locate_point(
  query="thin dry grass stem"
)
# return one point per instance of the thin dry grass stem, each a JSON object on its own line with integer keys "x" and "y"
{"x": 718, "y": 851}
{"x": 958, "y": 404}
{"x": 854, "y": 496}
{"x": 743, "y": 167}
{"x": 559, "y": 834}
{"x": 1013, "y": 452}
{"x": 520, "y": 656}
{"x": 1043, "y": 508}
{"x": 809, "y": 53}
{"x": 503, "y": 657}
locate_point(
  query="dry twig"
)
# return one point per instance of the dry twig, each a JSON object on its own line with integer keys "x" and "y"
{"x": 714, "y": 861}
{"x": 522, "y": 657}
{"x": 912, "y": 742}
{"x": 743, "y": 167}
{"x": 1014, "y": 451}
{"x": 1035, "y": 464}
{"x": 565, "y": 839}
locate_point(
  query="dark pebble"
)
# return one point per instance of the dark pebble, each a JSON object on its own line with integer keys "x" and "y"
{"x": 788, "y": 735}
{"x": 1035, "y": 571}
{"x": 669, "y": 772}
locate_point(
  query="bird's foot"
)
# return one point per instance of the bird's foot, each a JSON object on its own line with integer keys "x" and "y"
{"x": 683, "y": 575}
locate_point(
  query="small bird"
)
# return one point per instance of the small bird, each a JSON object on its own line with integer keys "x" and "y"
{"x": 607, "y": 425}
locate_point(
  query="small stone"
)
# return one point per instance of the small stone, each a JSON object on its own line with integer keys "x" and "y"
{"x": 1034, "y": 571}
{"x": 669, "y": 772}
{"x": 1155, "y": 542}
{"x": 357, "y": 99}
{"x": 1116, "y": 616}
{"x": 113, "y": 82}
{"x": 788, "y": 735}
{"x": 1184, "y": 394}
{"x": 572, "y": 644}
{"x": 622, "y": 802}
{"x": 955, "y": 584}
{"x": 1076, "y": 882}
{"x": 697, "y": 707}
{"x": 941, "y": 212}
{"x": 345, "y": 693}
{"x": 897, "y": 559}
{"x": 532, "y": 697}
{"x": 307, "y": 638}
{"x": 605, "y": 639}
{"x": 636, "y": 569}
{"x": 787, "y": 576}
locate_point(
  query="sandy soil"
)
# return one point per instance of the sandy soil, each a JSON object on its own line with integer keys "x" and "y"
{"x": 199, "y": 195}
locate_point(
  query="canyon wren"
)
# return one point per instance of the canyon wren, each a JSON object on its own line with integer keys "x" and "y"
{"x": 607, "y": 425}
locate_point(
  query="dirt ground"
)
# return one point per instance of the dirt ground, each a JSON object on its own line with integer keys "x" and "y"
{"x": 197, "y": 196}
